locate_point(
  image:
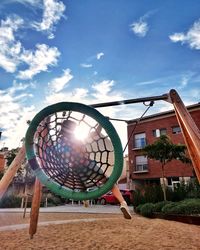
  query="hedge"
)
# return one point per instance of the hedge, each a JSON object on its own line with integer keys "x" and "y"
{"x": 10, "y": 201}
{"x": 185, "y": 207}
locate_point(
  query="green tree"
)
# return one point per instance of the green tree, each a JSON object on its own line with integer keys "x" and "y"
{"x": 165, "y": 151}
{"x": 10, "y": 156}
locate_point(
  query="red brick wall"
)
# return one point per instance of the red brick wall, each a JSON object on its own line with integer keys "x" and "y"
{"x": 174, "y": 168}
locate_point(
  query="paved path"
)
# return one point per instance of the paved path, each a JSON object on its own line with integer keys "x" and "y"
{"x": 47, "y": 223}
{"x": 107, "y": 209}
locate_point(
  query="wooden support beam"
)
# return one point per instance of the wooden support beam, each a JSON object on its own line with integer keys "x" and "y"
{"x": 35, "y": 207}
{"x": 189, "y": 129}
{"x": 12, "y": 170}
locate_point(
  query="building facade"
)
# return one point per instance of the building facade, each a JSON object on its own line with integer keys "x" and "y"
{"x": 145, "y": 171}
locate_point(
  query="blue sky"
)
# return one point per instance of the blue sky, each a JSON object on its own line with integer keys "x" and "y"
{"x": 94, "y": 51}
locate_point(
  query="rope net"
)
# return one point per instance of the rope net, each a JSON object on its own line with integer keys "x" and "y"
{"x": 74, "y": 150}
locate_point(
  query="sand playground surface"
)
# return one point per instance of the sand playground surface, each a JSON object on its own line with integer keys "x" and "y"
{"x": 76, "y": 231}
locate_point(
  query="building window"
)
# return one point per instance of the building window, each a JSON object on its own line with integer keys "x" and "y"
{"x": 173, "y": 182}
{"x": 159, "y": 132}
{"x": 176, "y": 130}
{"x": 139, "y": 140}
{"x": 141, "y": 163}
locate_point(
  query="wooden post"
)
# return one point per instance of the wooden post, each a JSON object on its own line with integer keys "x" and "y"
{"x": 189, "y": 129}
{"x": 46, "y": 202}
{"x": 12, "y": 170}
{"x": 25, "y": 206}
{"x": 35, "y": 207}
{"x": 22, "y": 202}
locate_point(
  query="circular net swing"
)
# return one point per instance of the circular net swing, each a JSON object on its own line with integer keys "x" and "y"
{"x": 74, "y": 168}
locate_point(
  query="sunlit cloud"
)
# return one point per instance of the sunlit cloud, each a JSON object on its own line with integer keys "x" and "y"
{"x": 10, "y": 49}
{"x": 99, "y": 55}
{"x": 13, "y": 54}
{"x": 140, "y": 28}
{"x": 148, "y": 82}
{"x": 34, "y": 3}
{"x": 75, "y": 95}
{"x": 185, "y": 79}
{"x": 85, "y": 65}
{"x": 13, "y": 118}
{"x": 38, "y": 60}
{"x": 52, "y": 13}
{"x": 58, "y": 84}
{"x": 191, "y": 37}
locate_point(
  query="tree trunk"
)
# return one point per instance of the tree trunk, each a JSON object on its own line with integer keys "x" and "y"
{"x": 164, "y": 186}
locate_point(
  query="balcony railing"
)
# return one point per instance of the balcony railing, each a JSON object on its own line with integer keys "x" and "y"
{"x": 140, "y": 143}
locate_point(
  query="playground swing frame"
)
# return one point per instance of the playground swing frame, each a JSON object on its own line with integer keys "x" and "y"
{"x": 190, "y": 131}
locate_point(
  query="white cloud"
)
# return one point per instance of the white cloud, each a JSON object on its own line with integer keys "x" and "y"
{"x": 53, "y": 11}
{"x": 59, "y": 83}
{"x": 140, "y": 28}
{"x": 99, "y": 55}
{"x": 13, "y": 54}
{"x": 84, "y": 65}
{"x": 38, "y": 60}
{"x": 34, "y": 3}
{"x": 103, "y": 88}
{"x": 191, "y": 37}
{"x": 148, "y": 82}
{"x": 177, "y": 37}
{"x": 10, "y": 48}
{"x": 76, "y": 95}
{"x": 185, "y": 79}
{"x": 13, "y": 114}
{"x": 18, "y": 87}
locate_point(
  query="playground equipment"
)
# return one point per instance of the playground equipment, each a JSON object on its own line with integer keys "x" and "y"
{"x": 100, "y": 153}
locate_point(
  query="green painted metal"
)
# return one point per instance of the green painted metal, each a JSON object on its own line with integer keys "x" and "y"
{"x": 110, "y": 130}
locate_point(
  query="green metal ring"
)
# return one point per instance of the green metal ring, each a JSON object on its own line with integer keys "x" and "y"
{"x": 54, "y": 186}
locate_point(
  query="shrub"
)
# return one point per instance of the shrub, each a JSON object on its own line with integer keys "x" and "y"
{"x": 193, "y": 189}
{"x": 10, "y": 201}
{"x": 147, "y": 210}
{"x": 187, "y": 207}
{"x": 138, "y": 198}
{"x": 138, "y": 208}
{"x": 159, "y": 205}
{"x": 149, "y": 194}
{"x": 153, "y": 193}
{"x": 168, "y": 207}
{"x": 54, "y": 200}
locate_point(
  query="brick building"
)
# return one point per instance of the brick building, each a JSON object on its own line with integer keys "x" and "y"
{"x": 143, "y": 170}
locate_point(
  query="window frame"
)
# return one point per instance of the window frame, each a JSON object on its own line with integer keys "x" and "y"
{"x": 141, "y": 166}
{"x": 139, "y": 143}
{"x": 176, "y": 132}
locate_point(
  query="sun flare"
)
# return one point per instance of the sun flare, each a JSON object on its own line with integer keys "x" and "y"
{"x": 81, "y": 132}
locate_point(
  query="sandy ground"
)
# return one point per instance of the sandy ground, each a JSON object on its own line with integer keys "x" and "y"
{"x": 109, "y": 231}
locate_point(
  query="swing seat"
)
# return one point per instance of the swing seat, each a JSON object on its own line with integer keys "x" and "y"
{"x": 74, "y": 168}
